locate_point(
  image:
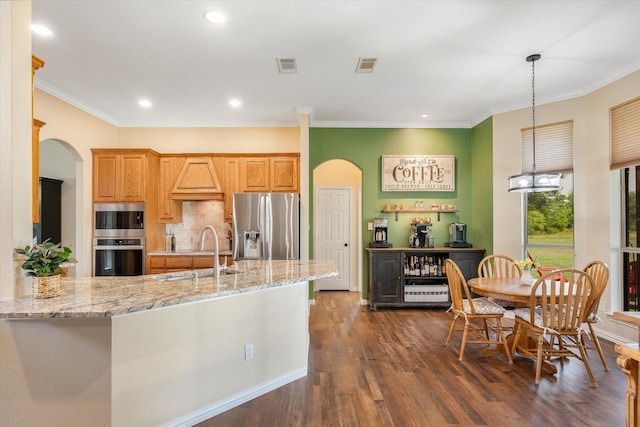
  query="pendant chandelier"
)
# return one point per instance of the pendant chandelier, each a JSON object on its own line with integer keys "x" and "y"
{"x": 534, "y": 182}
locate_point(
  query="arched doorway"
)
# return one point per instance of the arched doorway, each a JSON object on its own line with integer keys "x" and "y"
{"x": 344, "y": 174}
{"x": 60, "y": 161}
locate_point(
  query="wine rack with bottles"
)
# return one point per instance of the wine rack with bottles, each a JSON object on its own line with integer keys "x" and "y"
{"x": 424, "y": 279}
{"x": 414, "y": 277}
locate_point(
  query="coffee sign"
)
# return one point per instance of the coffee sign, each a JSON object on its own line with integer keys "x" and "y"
{"x": 418, "y": 173}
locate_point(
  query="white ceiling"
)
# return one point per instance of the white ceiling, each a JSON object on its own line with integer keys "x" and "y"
{"x": 457, "y": 61}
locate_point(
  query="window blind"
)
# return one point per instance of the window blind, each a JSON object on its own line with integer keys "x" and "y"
{"x": 554, "y": 148}
{"x": 625, "y": 134}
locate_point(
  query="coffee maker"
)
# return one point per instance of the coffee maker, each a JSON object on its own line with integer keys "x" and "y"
{"x": 421, "y": 236}
{"x": 458, "y": 235}
{"x": 380, "y": 234}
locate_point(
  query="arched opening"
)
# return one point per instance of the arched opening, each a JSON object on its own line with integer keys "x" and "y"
{"x": 60, "y": 161}
{"x": 340, "y": 174}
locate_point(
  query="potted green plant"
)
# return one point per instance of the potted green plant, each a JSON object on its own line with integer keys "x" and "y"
{"x": 43, "y": 261}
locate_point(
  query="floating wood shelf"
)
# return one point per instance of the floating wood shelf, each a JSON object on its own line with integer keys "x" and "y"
{"x": 438, "y": 211}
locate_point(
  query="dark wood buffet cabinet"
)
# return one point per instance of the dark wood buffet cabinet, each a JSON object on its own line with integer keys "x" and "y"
{"x": 414, "y": 277}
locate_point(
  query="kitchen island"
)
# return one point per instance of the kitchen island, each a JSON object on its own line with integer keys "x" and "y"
{"x": 149, "y": 351}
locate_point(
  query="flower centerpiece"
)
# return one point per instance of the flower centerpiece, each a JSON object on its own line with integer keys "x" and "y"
{"x": 43, "y": 262}
{"x": 525, "y": 267}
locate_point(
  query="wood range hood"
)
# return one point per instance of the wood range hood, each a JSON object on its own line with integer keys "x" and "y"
{"x": 197, "y": 180}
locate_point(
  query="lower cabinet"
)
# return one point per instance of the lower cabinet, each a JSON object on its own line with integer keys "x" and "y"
{"x": 385, "y": 278}
{"x": 168, "y": 264}
{"x": 409, "y": 277}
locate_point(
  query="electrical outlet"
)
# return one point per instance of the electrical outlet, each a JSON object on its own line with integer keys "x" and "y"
{"x": 369, "y": 226}
{"x": 248, "y": 351}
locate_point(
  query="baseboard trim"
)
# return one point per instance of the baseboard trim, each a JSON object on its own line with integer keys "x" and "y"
{"x": 236, "y": 400}
{"x": 616, "y": 339}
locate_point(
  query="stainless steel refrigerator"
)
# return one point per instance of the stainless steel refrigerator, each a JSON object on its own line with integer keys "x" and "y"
{"x": 266, "y": 226}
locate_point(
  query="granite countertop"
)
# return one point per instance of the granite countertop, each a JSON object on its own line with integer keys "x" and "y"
{"x": 88, "y": 297}
{"x": 190, "y": 253}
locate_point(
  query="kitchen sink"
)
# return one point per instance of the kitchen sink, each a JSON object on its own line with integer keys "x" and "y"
{"x": 185, "y": 275}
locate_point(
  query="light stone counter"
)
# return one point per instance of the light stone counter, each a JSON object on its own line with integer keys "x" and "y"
{"x": 111, "y": 296}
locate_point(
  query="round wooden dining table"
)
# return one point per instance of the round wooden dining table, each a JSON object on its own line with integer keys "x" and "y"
{"x": 508, "y": 289}
{"x": 502, "y": 288}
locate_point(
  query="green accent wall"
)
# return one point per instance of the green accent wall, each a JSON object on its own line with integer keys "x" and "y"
{"x": 482, "y": 185}
{"x": 364, "y": 148}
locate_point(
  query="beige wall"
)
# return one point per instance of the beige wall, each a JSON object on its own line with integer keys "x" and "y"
{"x": 15, "y": 142}
{"x": 596, "y": 188}
{"x": 212, "y": 140}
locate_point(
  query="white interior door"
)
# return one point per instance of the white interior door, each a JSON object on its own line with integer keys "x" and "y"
{"x": 333, "y": 229}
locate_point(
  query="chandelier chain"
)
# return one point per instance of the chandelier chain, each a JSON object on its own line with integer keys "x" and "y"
{"x": 533, "y": 110}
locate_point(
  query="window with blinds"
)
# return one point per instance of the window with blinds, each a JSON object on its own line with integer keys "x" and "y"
{"x": 554, "y": 148}
{"x": 625, "y": 134}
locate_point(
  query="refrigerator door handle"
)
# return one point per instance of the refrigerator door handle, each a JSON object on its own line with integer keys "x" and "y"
{"x": 269, "y": 227}
{"x": 290, "y": 209}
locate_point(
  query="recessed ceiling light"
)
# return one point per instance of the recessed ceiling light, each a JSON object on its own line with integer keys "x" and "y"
{"x": 145, "y": 103}
{"x": 214, "y": 17}
{"x": 424, "y": 115}
{"x": 235, "y": 103}
{"x": 41, "y": 30}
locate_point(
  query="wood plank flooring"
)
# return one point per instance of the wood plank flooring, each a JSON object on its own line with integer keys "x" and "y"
{"x": 391, "y": 368}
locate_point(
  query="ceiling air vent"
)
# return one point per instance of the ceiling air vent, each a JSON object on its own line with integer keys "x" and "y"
{"x": 287, "y": 65}
{"x": 366, "y": 65}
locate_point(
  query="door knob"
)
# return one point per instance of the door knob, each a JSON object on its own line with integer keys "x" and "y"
{"x": 346, "y": 244}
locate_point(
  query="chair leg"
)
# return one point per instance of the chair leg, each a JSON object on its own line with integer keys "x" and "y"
{"x": 516, "y": 337}
{"x": 464, "y": 340}
{"x": 585, "y": 360}
{"x": 597, "y": 343}
{"x": 453, "y": 325}
{"x": 486, "y": 329}
{"x": 504, "y": 341}
{"x": 539, "y": 358}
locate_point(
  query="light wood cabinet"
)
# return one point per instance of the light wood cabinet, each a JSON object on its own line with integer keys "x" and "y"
{"x": 169, "y": 210}
{"x": 270, "y": 174}
{"x": 254, "y": 174}
{"x": 159, "y": 264}
{"x": 284, "y": 175}
{"x": 156, "y": 265}
{"x": 119, "y": 176}
{"x": 231, "y": 185}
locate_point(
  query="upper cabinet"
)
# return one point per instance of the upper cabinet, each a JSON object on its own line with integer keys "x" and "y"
{"x": 120, "y": 175}
{"x": 284, "y": 175}
{"x": 254, "y": 174}
{"x": 231, "y": 185}
{"x": 128, "y": 175}
{"x": 270, "y": 174}
{"x": 169, "y": 210}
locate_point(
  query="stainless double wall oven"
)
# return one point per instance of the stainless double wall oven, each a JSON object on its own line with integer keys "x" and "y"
{"x": 118, "y": 239}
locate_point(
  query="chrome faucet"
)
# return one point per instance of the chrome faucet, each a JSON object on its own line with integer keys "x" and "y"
{"x": 216, "y": 259}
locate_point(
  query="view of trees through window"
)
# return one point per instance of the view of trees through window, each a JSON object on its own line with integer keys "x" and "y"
{"x": 550, "y": 226}
{"x": 631, "y": 249}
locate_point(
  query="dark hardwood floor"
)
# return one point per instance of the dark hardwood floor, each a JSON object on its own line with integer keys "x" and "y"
{"x": 391, "y": 368}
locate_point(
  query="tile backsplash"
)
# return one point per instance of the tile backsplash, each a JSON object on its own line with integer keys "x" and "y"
{"x": 195, "y": 216}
